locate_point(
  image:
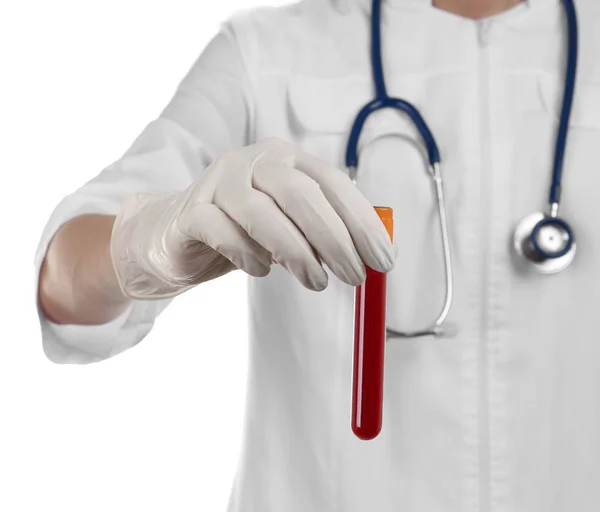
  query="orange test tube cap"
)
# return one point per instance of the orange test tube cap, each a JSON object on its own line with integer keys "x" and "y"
{"x": 386, "y": 215}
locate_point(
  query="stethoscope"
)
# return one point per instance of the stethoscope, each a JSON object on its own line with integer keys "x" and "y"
{"x": 544, "y": 240}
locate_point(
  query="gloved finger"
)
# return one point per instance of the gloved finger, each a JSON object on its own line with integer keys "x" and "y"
{"x": 262, "y": 219}
{"x": 301, "y": 199}
{"x": 206, "y": 223}
{"x": 366, "y": 229}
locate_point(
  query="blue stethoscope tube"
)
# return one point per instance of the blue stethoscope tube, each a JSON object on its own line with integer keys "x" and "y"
{"x": 545, "y": 241}
{"x": 382, "y": 100}
{"x": 570, "y": 74}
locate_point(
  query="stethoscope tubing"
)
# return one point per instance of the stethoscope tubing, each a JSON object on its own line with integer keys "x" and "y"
{"x": 567, "y": 104}
{"x": 383, "y": 100}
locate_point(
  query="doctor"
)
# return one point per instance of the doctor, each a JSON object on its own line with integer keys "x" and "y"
{"x": 244, "y": 169}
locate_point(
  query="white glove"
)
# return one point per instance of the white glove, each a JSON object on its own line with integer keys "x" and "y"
{"x": 262, "y": 204}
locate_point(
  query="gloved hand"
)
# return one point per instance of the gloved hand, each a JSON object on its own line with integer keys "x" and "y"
{"x": 266, "y": 203}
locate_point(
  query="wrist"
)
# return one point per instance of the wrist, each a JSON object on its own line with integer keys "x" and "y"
{"x": 144, "y": 247}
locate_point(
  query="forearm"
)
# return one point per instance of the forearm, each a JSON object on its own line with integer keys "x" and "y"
{"x": 78, "y": 284}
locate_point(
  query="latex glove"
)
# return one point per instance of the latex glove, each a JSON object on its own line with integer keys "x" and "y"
{"x": 266, "y": 203}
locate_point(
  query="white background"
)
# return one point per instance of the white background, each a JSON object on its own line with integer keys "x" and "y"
{"x": 159, "y": 427}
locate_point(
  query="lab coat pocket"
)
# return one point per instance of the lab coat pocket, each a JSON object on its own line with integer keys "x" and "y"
{"x": 392, "y": 172}
{"x": 586, "y": 101}
{"x": 321, "y": 112}
{"x": 322, "y": 105}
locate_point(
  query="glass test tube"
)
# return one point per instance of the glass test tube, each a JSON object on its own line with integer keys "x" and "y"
{"x": 369, "y": 347}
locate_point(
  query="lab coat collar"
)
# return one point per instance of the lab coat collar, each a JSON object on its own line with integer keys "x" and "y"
{"x": 403, "y": 3}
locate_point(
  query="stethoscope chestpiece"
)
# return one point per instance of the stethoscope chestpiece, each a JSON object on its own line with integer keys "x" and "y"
{"x": 552, "y": 238}
{"x": 546, "y": 243}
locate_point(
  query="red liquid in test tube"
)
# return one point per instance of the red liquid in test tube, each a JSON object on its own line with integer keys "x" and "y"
{"x": 369, "y": 347}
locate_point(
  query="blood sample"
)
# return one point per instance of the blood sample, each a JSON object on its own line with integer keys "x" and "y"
{"x": 369, "y": 347}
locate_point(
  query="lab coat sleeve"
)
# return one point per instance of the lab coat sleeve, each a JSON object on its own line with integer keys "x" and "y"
{"x": 209, "y": 113}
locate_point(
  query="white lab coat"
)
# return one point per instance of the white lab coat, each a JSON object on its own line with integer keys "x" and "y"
{"x": 502, "y": 417}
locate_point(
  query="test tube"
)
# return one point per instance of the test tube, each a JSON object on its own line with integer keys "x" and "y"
{"x": 369, "y": 346}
